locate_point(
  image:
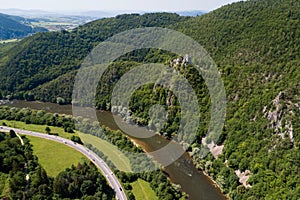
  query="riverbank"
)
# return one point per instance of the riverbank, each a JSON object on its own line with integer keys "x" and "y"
{"x": 214, "y": 183}
{"x": 215, "y": 150}
{"x": 182, "y": 171}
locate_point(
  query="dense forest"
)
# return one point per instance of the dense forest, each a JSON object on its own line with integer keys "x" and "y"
{"x": 12, "y": 27}
{"x": 17, "y": 162}
{"x": 255, "y": 45}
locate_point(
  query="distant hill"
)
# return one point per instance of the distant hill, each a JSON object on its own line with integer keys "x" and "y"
{"x": 26, "y": 13}
{"x": 192, "y": 13}
{"x": 88, "y": 13}
{"x": 16, "y": 27}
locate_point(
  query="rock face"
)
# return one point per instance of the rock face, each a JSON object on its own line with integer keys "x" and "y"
{"x": 186, "y": 60}
{"x": 244, "y": 177}
{"x": 277, "y": 117}
{"x": 213, "y": 148}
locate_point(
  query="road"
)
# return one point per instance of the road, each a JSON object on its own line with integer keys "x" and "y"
{"x": 106, "y": 171}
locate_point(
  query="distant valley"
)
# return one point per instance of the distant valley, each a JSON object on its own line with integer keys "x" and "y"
{"x": 13, "y": 27}
{"x": 16, "y": 23}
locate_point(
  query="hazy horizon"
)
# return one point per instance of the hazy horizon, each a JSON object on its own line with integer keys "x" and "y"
{"x": 113, "y": 5}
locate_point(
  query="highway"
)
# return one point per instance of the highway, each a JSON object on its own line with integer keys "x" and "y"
{"x": 106, "y": 171}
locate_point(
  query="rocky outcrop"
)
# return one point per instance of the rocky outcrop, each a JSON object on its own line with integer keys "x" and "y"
{"x": 277, "y": 116}
{"x": 214, "y": 149}
{"x": 182, "y": 60}
{"x": 244, "y": 177}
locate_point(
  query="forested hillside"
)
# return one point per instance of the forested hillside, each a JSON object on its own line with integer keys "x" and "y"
{"x": 16, "y": 27}
{"x": 44, "y": 57}
{"x": 256, "y": 45}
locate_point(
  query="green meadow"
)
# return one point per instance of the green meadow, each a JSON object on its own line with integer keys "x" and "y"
{"x": 53, "y": 156}
{"x": 142, "y": 190}
{"x": 112, "y": 152}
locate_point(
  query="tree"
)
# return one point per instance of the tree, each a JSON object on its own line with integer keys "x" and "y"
{"x": 76, "y": 139}
{"x": 48, "y": 130}
{"x": 60, "y": 100}
{"x": 87, "y": 188}
{"x": 12, "y": 134}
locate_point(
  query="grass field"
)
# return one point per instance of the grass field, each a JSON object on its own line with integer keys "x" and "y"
{"x": 111, "y": 151}
{"x": 37, "y": 128}
{"x": 53, "y": 156}
{"x": 142, "y": 190}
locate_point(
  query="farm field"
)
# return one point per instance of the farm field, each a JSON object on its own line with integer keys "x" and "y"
{"x": 53, "y": 156}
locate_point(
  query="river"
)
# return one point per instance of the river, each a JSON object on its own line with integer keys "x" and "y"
{"x": 197, "y": 185}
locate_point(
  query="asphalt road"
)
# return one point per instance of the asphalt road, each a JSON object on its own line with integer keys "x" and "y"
{"x": 106, "y": 171}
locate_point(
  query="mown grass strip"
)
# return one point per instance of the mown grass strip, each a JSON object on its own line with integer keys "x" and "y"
{"x": 142, "y": 190}
{"x": 37, "y": 128}
{"x": 111, "y": 151}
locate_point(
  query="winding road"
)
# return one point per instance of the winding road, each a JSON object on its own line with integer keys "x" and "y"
{"x": 106, "y": 171}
